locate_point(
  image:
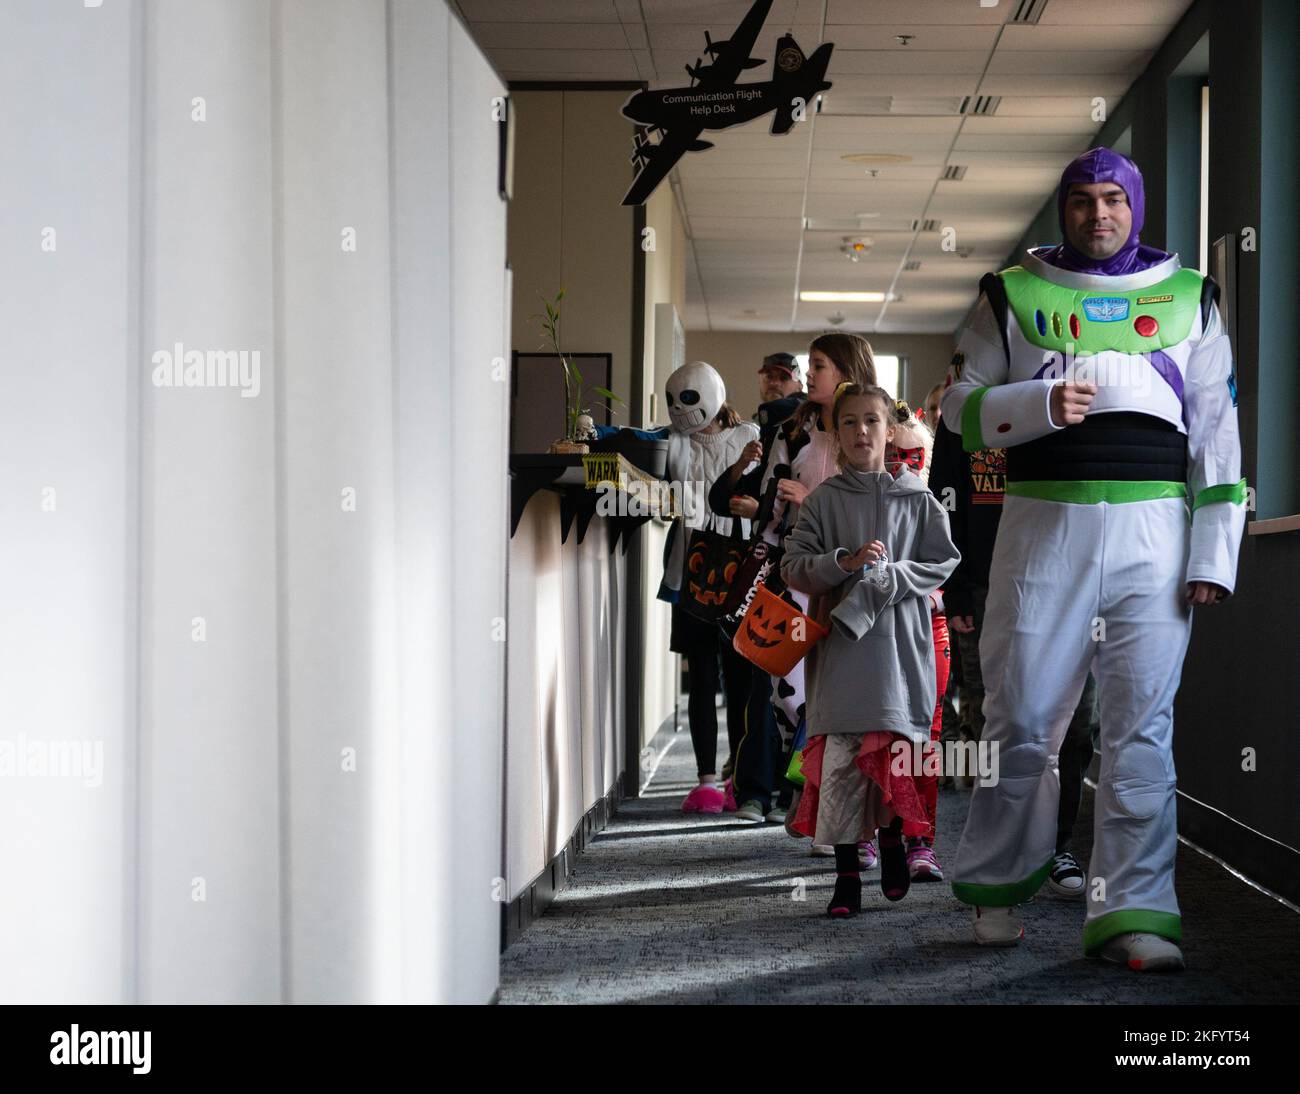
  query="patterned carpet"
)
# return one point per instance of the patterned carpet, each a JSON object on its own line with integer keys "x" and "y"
{"x": 670, "y": 908}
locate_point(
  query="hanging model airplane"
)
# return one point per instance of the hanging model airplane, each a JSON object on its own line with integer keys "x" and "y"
{"x": 715, "y": 101}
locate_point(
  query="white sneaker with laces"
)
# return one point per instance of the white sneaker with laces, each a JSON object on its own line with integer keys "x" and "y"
{"x": 1143, "y": 952}
{"x": 997, "y": 926}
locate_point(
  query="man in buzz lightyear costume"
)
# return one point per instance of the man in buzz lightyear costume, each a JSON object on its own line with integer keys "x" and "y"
{"x": 1104, "y": 370}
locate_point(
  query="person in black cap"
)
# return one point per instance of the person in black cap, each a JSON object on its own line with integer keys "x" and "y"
{"x": 781, "y": 393}
{"x": 758, "y": 769}
{"x": 780, "y": 390}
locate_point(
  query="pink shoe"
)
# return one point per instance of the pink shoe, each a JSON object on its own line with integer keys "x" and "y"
{"x": 922, "y": 865}
{"x": 867, "y": 855}
{"x": 705, "y": 798}
{"x": 729, "y": 798}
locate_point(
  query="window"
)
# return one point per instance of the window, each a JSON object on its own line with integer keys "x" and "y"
{"x": 889, "y": 371}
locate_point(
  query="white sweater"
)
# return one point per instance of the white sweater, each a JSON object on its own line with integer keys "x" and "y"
{"x": 700, "y": 458}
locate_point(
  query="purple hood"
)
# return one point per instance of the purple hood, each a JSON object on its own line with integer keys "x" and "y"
{"x": 1104, "y": 165}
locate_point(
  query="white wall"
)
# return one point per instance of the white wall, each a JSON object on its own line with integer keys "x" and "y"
{"x": 665, "y": 283}
{"x": 68, "y": 497}
{"x": 567, "y": 705}
{"x": 208, "y": 723}
{"x": 568, "y": 229}
{"x": 568, "y": 611}
{"x": 328, "y": 627}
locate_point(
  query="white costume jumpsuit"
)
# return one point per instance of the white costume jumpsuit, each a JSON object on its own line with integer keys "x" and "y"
{"x": 1092, "y": 559}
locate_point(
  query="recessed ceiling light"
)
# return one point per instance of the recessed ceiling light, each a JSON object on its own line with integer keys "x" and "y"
{"x": 815, "y": 297}
{"x": 875, "y": 157}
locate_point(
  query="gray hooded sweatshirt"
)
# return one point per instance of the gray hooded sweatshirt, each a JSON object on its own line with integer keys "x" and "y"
{"x": 875, "y": 670}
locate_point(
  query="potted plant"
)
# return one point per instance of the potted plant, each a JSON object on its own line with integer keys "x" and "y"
{"x": 578, "y": 426}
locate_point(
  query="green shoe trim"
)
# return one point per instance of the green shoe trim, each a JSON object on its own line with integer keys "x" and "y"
{"x": 1097, "y": 932}
{"x": 1003, "y": 896}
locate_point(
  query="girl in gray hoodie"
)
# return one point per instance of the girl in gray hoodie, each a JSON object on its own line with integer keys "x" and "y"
{"x": 869, "y": 547}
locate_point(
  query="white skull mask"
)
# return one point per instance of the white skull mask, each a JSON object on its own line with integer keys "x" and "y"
{"x": 695, "y": 395}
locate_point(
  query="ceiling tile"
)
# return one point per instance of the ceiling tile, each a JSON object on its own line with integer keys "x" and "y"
{"x": 1101, "y": 16}
{"x": 597, "y": 64}
{"x": 499, "y": 36}
{"x": 725, "y": 15}
{"x": 537, "y": 11}
{"x": 689, "y": 37}
{"x": 1027, "y": 142}
{"x": 1068, "y": 63}
{"x": 875, "y": 62}
{"x": 930, "y": 13}
{"x": 1024, "y": 83}
{"x": 883, "y": 36}
{"x": 1080, "y": 123}
{"x": 1088, "y": 40}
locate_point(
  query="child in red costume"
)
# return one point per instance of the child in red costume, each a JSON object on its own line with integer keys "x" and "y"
{"x": 911, "y": 447}
{"x": 870, "y": 678}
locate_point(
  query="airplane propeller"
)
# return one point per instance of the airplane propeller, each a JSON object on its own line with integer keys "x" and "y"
{"x": 641, "y": 146}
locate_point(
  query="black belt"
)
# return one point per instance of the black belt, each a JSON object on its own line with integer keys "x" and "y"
{"x": 1120, "y": 446}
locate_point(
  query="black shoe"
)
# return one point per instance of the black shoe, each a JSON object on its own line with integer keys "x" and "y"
{"x": 1066, "y": 878}
{"x": 847, "y": 898}
{"x": 895, "y": 879}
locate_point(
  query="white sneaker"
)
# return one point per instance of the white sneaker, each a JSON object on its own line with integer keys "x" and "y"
{"x": 997, "y": 926}
{"x": 1143, "y": 952}
{"x": 823, "y": 850}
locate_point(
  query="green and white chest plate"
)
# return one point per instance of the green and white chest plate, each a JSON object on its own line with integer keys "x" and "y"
{"x": 1131, "y": 335}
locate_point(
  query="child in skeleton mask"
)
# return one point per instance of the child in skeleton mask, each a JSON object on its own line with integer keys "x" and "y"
{"x": 705, "y": 438}
{"x": 869, "y": 547}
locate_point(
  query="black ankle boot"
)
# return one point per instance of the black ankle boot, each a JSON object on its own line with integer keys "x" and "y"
{"x": 894, "y": 877}
{"x": 847, "y": 898}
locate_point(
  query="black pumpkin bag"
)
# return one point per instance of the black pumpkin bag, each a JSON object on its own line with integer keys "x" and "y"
{"x": 712, "y": 561}
{"x": 761, "y": 565}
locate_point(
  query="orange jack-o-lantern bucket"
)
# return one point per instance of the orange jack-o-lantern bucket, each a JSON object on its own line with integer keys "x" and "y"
{"x": 775, "y": 635}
